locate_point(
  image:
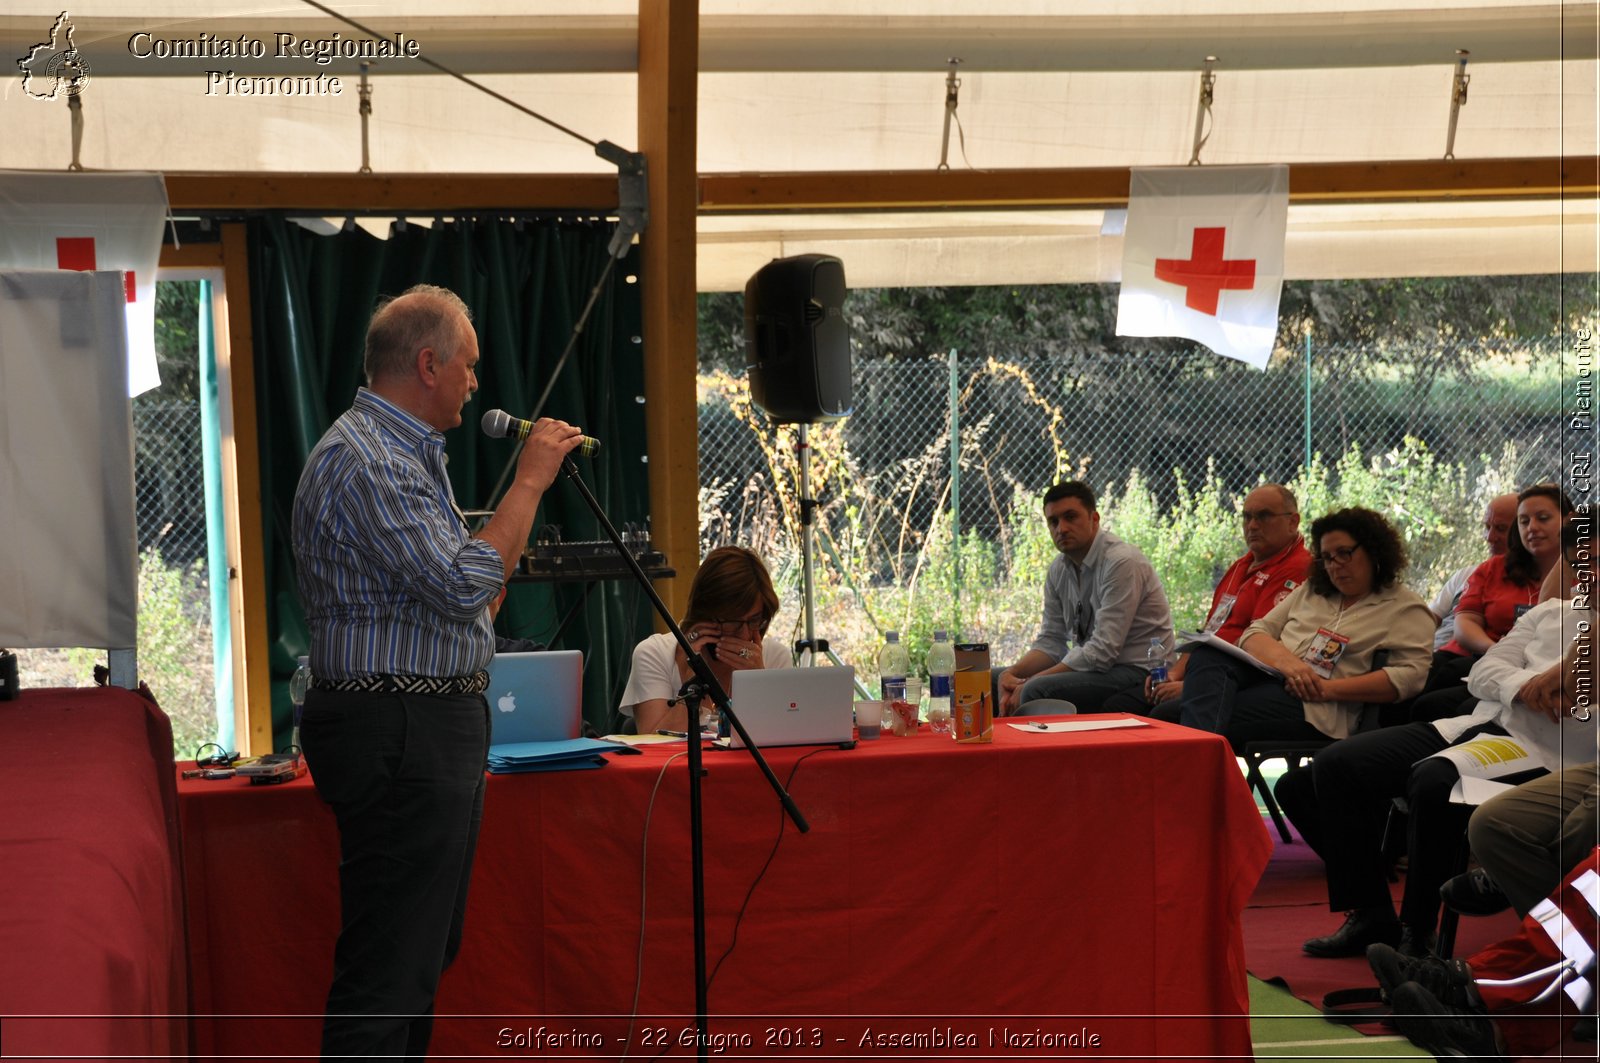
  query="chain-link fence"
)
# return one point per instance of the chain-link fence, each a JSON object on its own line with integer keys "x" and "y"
{"x": 1455, "y": 422}
{"x": 1175, "y": 424}
{"x": 169, "y": 480}
{"x": 175, "y": 652}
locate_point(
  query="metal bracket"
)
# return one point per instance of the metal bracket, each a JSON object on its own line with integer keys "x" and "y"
{"x": 633, "y": 194}
{"x": 365, "y": 92}
{"x": 1458, "y": 99}
{"x": 1208, "y": 83}
{"x": 952, "y": 94}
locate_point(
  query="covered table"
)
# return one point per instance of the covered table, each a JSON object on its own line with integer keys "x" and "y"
{"x": 91, "y": 915}
{"x": 1029, "y": 895}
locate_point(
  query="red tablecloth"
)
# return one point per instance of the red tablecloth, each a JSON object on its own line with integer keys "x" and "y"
{"x": 1076, "y": 885}
{"x": 91, "y": 918}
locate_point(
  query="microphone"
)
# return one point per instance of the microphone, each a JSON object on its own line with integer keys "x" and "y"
{"x": 499, "y": 424}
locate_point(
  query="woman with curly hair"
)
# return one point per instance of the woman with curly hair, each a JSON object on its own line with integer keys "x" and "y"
{"x": 1322, "y": 643}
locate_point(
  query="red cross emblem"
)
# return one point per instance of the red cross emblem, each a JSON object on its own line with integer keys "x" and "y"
{"x": 77, "y": 252}
{"x": 1205, "y": 273}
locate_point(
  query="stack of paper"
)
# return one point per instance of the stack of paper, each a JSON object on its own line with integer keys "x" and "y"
{"x": 571, "y": 754}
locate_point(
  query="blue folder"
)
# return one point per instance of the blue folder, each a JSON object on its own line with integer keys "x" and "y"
{"x": 571, "y": 754}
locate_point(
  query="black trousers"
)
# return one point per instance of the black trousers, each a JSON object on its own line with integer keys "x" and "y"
{"x": 1341, "y": 802}
{"x": 1227, "y": 696}
{"x": 1445, "y": 692}
{"x": 404, "y": 776}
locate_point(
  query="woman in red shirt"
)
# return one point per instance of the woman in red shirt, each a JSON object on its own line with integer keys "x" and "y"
{"x": 1498, "y": 592}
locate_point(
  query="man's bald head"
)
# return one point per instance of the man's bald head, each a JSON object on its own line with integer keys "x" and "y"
{"x": 1271, "y": 519}
{"x": 1499, "y": 517}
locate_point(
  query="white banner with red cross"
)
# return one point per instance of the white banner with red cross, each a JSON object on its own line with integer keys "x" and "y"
{"x": 1202, "y": 256}
{"x": 83, "y": 221}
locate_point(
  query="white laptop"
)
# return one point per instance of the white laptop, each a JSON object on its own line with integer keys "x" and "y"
{"x": 794, "y": 706}
{"x": 536, "y": 697}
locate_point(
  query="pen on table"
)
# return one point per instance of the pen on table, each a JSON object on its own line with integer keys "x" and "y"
{"x": 1041, "y": 726}
{"x": 673, "y": 734}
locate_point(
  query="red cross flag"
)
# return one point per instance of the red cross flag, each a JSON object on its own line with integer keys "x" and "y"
{"x": 1202, "y": 257}
{"x": 92, "y": 221}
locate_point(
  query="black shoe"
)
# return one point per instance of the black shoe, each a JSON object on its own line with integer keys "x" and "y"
{"x": 1446, "y": 979}
{"x": 1362, "y": 927}
{"x": 1474, "y": 893}
{"x": 1415, "y": 943}
{"x": 1438, "y": 1028}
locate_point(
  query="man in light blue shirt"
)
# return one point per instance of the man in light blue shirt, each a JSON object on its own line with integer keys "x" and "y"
{"x": 400, "y": 599}
{"x": 1103, "y": 604}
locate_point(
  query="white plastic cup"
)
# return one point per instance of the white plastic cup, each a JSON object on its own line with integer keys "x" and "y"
{"x": 869, "y": 719}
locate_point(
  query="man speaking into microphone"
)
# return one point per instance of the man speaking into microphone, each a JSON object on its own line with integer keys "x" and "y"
{"x": 400, "y": 599}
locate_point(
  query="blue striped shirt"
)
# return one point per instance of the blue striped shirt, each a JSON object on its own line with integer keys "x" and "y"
{"x": 390, "y": 580}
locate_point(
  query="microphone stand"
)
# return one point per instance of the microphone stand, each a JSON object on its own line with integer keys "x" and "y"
{"x": 702, "y": 682}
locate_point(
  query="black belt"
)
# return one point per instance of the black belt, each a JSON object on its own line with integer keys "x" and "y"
{"x": 476, "y": 683}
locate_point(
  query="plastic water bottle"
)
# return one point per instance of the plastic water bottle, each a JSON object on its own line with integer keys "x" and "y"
{"x": 1156, "y": 658}
{"x": 892, "y": 665}
{"x": 299, "y": 683}
{"x": 941, "y": 680}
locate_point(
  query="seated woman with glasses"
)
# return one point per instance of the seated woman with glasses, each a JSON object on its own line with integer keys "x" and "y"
{"x": 731, "y": 603}
{"x": 1323, "y": 643}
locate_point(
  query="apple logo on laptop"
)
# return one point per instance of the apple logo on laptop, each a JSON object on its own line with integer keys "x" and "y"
{"x": 507, "y": 702}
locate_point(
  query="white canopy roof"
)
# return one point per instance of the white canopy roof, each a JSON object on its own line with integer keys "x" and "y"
{"x": 859, "y": 85}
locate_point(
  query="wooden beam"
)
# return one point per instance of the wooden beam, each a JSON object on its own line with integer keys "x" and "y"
{"x": 668, "y": 83}
{"x": 241, "y": 472}
{"x": 191, "y": 256}
{"x": 1108, "y": 186}
{"x": 1330, "y": 182}
{"x": 339, "y": 193}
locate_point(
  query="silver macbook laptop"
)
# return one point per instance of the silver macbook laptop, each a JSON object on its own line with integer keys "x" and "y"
{"x": 794, "y": 706}
{"x": 536, "y": 697}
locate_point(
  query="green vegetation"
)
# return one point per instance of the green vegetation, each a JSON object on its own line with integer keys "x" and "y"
{"x": 1428, "y": 396}
{"x": 174, "y": 648}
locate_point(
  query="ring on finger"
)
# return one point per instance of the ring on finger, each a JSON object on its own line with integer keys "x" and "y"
{"x": 745, "y": 654}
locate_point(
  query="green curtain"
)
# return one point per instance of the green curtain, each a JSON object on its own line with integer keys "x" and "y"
{"x": 526, "y": 283}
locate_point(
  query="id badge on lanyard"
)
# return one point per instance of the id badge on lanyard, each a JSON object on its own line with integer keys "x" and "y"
{"x": 1219, "y": 615}
{"x": 1325, "y": 650}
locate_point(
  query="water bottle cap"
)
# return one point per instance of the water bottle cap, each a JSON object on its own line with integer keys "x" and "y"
{"x": 891, "y": 636}
{"x": 305, "y": 662}
{"x": 940, "y": 635}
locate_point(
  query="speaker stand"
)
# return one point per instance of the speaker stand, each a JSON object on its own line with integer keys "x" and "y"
{"x": 806, "y": 649}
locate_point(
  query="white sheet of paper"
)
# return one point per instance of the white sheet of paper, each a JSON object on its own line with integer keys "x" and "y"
{"x": 1489, "y": 757}
{"x": 1057, "y": 726}
{"x": 1188, "y": 640}
{"x": 1471, "y": 790}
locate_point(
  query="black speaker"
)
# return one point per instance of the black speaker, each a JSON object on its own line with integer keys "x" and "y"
{"x": 797, "y": 340}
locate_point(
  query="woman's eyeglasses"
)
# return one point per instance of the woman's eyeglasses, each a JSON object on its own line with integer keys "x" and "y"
{"x": 1340, "y": 556}
{"x": 734, "y": 627}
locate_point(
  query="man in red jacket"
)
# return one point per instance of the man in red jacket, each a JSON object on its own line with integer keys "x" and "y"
{"x": 1275, "y": 563}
